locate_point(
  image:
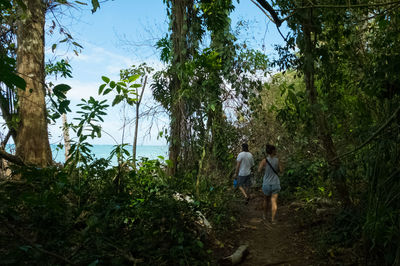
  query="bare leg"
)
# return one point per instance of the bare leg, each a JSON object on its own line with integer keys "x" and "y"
{"x": 274, "y": 206}
{"x": 243, "y": 191}
{"x": 265, "y": 206}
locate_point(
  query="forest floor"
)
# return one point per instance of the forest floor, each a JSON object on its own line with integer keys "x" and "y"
{"x": 284, "y": 243}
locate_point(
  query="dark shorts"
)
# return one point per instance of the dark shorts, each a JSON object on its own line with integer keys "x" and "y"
{"x": 244, "y": 181}
{"x": 268, "y": 189}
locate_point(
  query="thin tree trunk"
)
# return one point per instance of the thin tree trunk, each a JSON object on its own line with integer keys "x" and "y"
{"x": 175, "y": 138}
{"x": 7, "y": 109}
{"x": 6, "y": 139}
{"x": 67, "y": 140}
{"x": 320, "y": 119}
{"x": 139, "y": 100}
{"x": 32, "y": 141}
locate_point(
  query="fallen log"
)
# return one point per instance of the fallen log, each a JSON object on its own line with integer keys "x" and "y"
{"x": 237, "y": 257}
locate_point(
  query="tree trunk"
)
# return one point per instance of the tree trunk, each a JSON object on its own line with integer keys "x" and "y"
{"x": 175, "y": 135}
{"x": 32, "y": 141}
{"x": 320, "y": 119}
{"x": 67, "y": 140}
{"x": 179, "y": 48}
{"x": 139, "y": 100}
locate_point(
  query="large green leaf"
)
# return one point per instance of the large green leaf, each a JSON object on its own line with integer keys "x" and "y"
{"x": 105, "y": 79}
{"x": 117, "y": 99}
{"x": 133, "y": 78}
{"x": 64, "y": 88}
{"x": 7, "y": 74}
{"x": 101, "y": 88}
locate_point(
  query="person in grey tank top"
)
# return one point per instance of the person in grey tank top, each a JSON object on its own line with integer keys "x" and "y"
{"x": 271, "y": 183}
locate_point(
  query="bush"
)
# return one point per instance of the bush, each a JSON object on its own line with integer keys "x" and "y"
{"x": 97, "y": 215}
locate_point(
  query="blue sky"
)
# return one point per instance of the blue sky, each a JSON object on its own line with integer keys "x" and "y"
{"x": 122, "y": 33}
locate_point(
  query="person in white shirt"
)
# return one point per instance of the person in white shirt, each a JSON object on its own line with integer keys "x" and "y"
{"x": 244, "y": 162}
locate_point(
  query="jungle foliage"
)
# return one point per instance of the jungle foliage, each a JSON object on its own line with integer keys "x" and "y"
{"x": 331, "y": 108}
{"x": 340, "y": 105}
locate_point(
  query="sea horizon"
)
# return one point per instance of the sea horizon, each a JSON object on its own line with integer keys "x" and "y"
{"x": 99, "y": 151}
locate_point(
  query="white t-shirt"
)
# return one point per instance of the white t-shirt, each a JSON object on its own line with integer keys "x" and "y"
{"x": 246, "y": 162}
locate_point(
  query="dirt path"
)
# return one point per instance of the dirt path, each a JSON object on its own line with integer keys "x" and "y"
{"x": 283, "y": 243}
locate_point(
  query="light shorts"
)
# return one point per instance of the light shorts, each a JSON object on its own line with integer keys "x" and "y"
{"x": 268, "y": 189}
{"x": 244, "y": 181}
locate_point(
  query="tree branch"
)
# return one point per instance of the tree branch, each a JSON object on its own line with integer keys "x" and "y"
{"x": 273, "y": 13}
{"x": 6, "y": 138}
{"x": 391, "y": 118}
{"x": 341, "y": 6}
{"x": 143, "y": 88}
{"x": 277, "y": 23}
{"x": 11, "y": 158}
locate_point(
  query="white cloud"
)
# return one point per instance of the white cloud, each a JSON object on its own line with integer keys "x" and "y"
{"x": 87, "y": 69}
{"x": 81, "y": 90}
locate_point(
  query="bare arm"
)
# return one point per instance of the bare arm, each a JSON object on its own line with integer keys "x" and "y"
{"x": 237, "y": 168}
{"x": 261, "y": 165}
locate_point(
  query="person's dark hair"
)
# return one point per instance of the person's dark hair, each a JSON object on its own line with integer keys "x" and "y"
{"x": 269, "y": 149}
{"x": 245, "y": 147}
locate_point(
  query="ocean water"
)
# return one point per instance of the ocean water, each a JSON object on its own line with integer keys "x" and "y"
{"x": 103, "y": 151}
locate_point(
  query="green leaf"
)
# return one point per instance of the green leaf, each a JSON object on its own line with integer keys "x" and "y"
{"x": 199, "y": 243}
{"x": 133, "y": 78}
{"x": 136, "y": 86}
{"x": 107, "y": 91}
{"x": 60, "y": 90}
{"x": 56, "y": 116}
{"x": 101, "y": 88}
{"x": 64, "y": 106}
{"x": 77, "y": 44}
{"x": 212, "y": 107}
{"x": 53, "y": 47}
{"x": 119, "y": 88}
{"x": 17, "y": 81}
{"x": 131, "y": 101}
{"x": 112, "y": 84}
{"x": 169, "y": 163}
{"x": 293, "y": 99}
{"x": 117, "y": 99}
{"x": 105, "y": 79}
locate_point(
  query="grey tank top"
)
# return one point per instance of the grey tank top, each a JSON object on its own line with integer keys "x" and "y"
{"x": 270, "y": 178}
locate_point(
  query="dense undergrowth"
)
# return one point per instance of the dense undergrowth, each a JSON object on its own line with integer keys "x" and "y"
{"x": 99, "y": 215}
{"x": 364, "y": 233}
